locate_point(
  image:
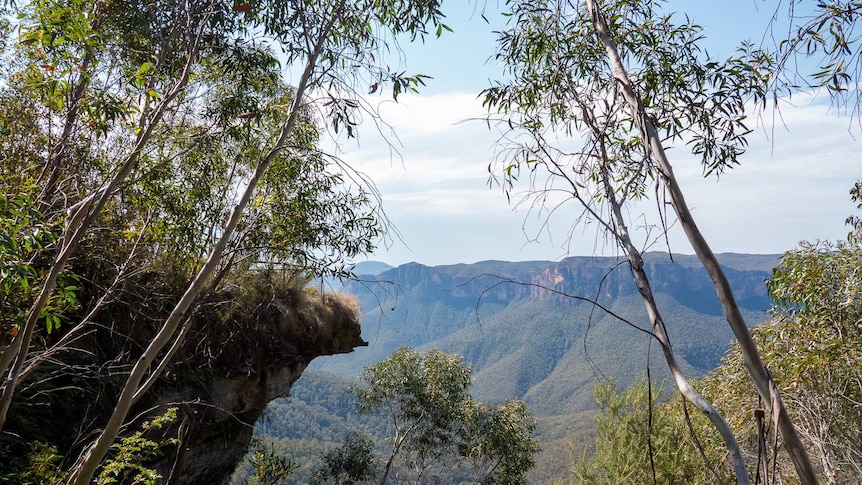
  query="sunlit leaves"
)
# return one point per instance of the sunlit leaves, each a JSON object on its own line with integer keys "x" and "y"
{"x": 561, "y": 83}
{"x": 134, "y": 451}
{"x": 812, "y": 346}
{"x": 498, "y": 440}
{"x": 424, "y": 396}
{"x": 643, "y": 438}
{"x": 24, "y": 240}
{"x": 828, "y": 36}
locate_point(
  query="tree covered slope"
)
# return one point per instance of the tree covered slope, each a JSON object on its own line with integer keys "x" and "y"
{"x": 525, "y": 336}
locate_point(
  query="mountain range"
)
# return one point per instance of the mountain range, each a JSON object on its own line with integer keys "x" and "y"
{"x": 526, "y": 330}
{"x": 530, "y": 329}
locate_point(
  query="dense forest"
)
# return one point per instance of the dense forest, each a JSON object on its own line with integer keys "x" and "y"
{"x": 165, "y": 200}
{"x": 529, "y": 343}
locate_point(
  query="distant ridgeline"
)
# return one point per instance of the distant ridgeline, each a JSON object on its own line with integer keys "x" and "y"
{"x": 541, "y": 346}
{"x": 523, "y": 340}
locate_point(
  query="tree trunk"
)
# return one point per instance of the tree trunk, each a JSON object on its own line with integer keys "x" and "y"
{"x": 751, "y": 357}
{"x": 644, "y": 288}
{"x": 87, "y": 465}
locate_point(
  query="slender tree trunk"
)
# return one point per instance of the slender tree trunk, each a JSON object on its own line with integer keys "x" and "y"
{"x": 58, "y": 152}
{"x": 386, "y": 468}
{"x": 86, "y": 213}
{"x": 77, "y": 331}
{"x": 751, "y": 357}
{"x": 87, "y": 465}
{"x": 644, "y": 288}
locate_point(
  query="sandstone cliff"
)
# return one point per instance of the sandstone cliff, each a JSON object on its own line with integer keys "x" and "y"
{"x": 246, "y": 347}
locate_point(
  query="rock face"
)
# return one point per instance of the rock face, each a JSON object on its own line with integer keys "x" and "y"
{"x": 222, "y": 397}
{"x": 247, "y": 345}
{"x": 503, "y": 282}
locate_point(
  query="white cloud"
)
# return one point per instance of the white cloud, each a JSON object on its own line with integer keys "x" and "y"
{"x": 792, "y": 185}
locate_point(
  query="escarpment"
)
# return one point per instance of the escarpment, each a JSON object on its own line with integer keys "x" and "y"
{"x": 246, "y": 346}
{"x": 225, "y": 389}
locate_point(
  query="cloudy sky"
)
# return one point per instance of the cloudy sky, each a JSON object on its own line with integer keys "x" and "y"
{"x": 792, "y": 185}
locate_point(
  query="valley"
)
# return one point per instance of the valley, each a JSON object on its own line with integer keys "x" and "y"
{"x": 525, "y": 337}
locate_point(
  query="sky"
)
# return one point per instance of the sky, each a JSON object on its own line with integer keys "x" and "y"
{"x": 432, "y": 167}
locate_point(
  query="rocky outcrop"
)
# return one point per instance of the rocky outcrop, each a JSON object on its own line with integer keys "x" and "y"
{"x": 221, "y": 392}
{"x": 247, "y": 345}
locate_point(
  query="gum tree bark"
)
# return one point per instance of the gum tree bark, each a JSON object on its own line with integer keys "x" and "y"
{"x": 753, "y": 363}
{"x": 86, "y": 467}
{"x": 636, "y": 263}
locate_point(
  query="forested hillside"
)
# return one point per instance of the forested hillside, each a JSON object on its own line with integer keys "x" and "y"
{"x": 526, "y": 337}
{"x": 520, "y": 328}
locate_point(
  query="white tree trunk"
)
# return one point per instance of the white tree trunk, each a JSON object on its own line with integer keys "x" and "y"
{"x": 758, "y": 372}
{"x": 685, "y": 388}
{"x": 87, "y": 465}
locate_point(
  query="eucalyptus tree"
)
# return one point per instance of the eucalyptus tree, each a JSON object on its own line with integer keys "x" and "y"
{"x": 812, "y": 345}
{"x": 65, "y": 43}
{"x": 173, "y": 124}
{"x": 498, "y": 441}
{"x": 421, "y": 396}
{"x": 625, "y": 81}
{"x": 434, "y": 420}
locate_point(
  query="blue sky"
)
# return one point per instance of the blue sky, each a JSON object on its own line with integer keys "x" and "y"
{"x": 793, "y": 183}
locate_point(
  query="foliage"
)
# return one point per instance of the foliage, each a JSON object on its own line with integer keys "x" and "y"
{"x": 297, "y": 454}
{"x": 811, "y": 345}
{"x": 350, "y": 463}
{"x": 24, "y": 239}
{"x": 560, "y": 82}
{"x": 498, "y": 441}
{"x": 160, "y": 148}
{"x": 855, "y": 222}
{"x": 42, "y": 467}
{"x": 821, "y": 50}
{"x": 269, "y": 466}
{"x": 643, "y": 440}
{"x": 421, "y": 396}
{"x": 128, "y": 465}
{"x": 434, "y": 420}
